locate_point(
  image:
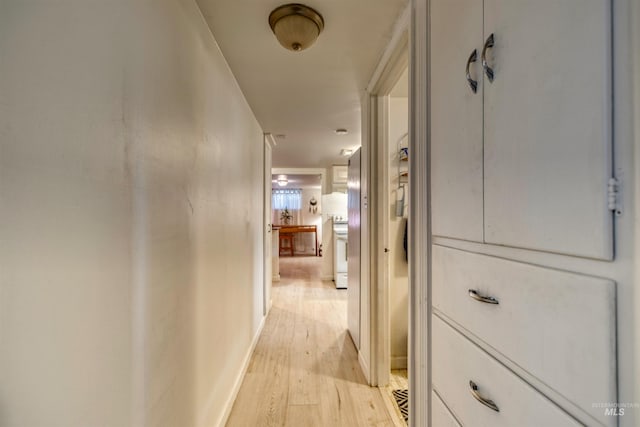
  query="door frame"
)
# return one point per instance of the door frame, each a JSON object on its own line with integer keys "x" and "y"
{"x": 393, "y": 63}
{"x": 419, "y": 363}
{"x": 269, "y": 144}
{"x": 323, "y": 187}
{"x": 410, "y": 35}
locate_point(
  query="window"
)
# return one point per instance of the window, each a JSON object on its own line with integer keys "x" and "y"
{"x": 287, "y": 199}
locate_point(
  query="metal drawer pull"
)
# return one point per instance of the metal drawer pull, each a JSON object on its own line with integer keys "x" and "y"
{"x": 472, "y": 83}
{"x": 488, "y": 70}
{"x": 486, "y": 402}
{"x": 476, "y": 296}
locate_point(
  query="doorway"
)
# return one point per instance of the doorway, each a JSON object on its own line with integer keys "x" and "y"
{"x": 395, "y": 145}
{"x": 386, "y": 124}
{"x": 397, "y": 216}
{"x": 296, "y": 214}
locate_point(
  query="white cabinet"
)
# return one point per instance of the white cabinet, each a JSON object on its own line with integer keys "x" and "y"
{"x": 520, "y": 105}
{"x": 533, "y": 314}
{"x": 458, "y": 365}
{"x": 547, "y": 126}
{"x": 339, "y": 176}
{"x": 525, "y": 160}
{"x": 456, "y": 122}
{"x": 441, "y": 417}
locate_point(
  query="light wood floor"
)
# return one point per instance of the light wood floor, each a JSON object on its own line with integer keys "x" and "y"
{"x": 304, "y": 370}
{"x": 397, "y": 381}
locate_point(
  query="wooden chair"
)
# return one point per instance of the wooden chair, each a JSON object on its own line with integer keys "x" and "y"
{"x": 286, "y": 244}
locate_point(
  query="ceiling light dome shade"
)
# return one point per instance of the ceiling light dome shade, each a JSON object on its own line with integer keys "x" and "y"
{"x": 296, "y": 26}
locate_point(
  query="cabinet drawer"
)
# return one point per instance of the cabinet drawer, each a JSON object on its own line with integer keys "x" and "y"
{"x": 457, "y": 361}
{"x": 440, "y": 415}
{"x": 557, "y": 326}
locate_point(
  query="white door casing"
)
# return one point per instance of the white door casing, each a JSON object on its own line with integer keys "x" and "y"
{"x": 419, "y": 361}
{"x": 393, "y": 63}
{"x": 268, "y": 278}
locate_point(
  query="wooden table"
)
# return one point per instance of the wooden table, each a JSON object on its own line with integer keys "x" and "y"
{"x": 291, "y": 230}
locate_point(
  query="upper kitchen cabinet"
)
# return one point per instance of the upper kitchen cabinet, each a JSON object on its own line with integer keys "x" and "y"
{"x": 521, "y": 132}
{"x": 456, "y": 119}
{"x": 339, "y": 178}
{"x": 547, "y": 126}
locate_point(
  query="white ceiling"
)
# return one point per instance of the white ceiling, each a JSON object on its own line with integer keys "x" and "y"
{"x": 305, "y": 95}
{"x": 299, "y": 181}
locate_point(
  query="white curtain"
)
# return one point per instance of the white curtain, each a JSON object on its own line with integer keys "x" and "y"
{"x": 289, "y": 200}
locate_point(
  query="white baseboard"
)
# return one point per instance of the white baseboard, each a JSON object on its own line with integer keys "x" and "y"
{"x": 224, "y": 417}
{"x": 399, "y": 362}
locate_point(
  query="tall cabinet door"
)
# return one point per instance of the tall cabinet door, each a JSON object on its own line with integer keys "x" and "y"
{"x": 354, "y": 199}
{"x": 456, "y": 120}
{"x": 547, "y": 126}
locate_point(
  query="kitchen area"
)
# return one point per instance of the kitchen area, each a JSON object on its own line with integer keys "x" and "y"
{"x": 307, "y": 222}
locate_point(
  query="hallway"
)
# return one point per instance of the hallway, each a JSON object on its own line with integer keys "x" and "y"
{"x": 304, "y": 370}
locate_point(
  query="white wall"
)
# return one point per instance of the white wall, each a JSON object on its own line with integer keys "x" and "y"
{"x": 398, "y": 267}
{"x": 130, "y": 216}
{"x": 310, "y": 218}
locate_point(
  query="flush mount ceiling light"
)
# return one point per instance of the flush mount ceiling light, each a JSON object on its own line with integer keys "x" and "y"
{"x": 296, "y": 26}
{"x": 282, "y": 181}
{"x": 346, "y": 152}
{"x": 342, "y": 131}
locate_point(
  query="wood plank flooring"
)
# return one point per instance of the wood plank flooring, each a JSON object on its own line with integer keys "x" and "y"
{"x": 397, "y": 381}
{"x": 304, "y": 370}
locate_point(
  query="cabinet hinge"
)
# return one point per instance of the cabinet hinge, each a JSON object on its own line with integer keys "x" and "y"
{"x": 613, "y": 197}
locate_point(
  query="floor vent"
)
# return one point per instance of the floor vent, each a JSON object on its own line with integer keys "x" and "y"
{"x": 402, "y": 400}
